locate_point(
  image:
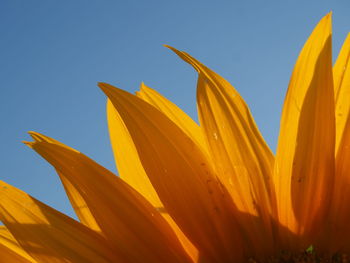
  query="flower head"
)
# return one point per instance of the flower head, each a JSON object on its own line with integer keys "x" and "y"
{"x": 212, "y": 192}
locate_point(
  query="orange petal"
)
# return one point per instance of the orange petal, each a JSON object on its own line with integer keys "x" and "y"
{"x": 78, "y": 203}
{"x": 242, "y": 159}
{"x": 340, "y": 215}
{"x": 339, "y": 239}
{"x": 131, "y": 225}
{"x": 131, "y": 171}
{"x": 181, "y": 176}
{"x": 46, "y": 234}
{"x": 341, "y": 74}
{"x": 127, "y": 159}
{"x": 174, "y": 113}
{"x": 304, "y": 166}
{"x": 10, "y": 250}
{"x": 9, "y": 256}
{"x": 81, "y": 209}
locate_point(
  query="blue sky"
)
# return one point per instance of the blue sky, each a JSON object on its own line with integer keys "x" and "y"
{"x": 52, "y": 54}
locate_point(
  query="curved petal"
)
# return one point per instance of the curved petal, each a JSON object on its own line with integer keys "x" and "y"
{"x": 46, "y": 234}
{"x": 174, "y": 113}
{"x": 81, "y": 209}
{"x": 9, "y": 256}
{"x": 242, "y": 159}
{"x": 130, "y": 224}
{"x": 127, "y": 159}
{"x": 304, "y": 166}
{"x": 341, "y": 74}
{"x": 131, "y": 171}
{"x": 338, "y": 237}
{"x": 10, "y": 250}
{"x": 340, "y": 215}
{"x": 181, "y": 176}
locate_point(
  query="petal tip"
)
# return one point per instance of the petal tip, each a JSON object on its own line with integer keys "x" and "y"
{"x": 33, "y": 133}
{"x": 29, "y": 144}
{"x": 142, "y": 85}
{"x": 327, "y": 19}
{"x": 172, "y": 49}
{"x": 106, "y": 88}
{"x": 37, "y": 137}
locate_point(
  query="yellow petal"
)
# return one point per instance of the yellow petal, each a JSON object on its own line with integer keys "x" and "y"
{"x": 182, "y": 177}
{"x": 46, "y": 234}
{"x": 338, "y": 238}
{"x": 127, "y": 159}
{"x": 341, "y": 74}
{"x": 242, "y": 159}
{"x": 130, "y": 224}
{"x": 339, "y": 232}
{"x": 81, "y": 209}
{"x": 304, "y": 166}
{"x": 8, "y": 256}
{"x": 131, "y": 171}
{"x": 174, "y": 113}
{"x": 10, "y": 250}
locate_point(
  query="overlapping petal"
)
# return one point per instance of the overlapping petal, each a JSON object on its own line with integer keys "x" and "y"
{"x": 131, "y": 171}
{"x": 242, "y": 159}
{"x": 304, "y": 166}
{"x": 10, "y": 250}
{"x": 77, "y": 201}
{"x": 46, "y": 234}
{"x": 182, "y": 177}
{"x": 128, "y": 222}
{"x": 339, "y": 231}
{"x": 341, "y": 73}
{"x": 127, "y": 159}
{"x": 209, "y": 194}
{"x": 174, "y": 113}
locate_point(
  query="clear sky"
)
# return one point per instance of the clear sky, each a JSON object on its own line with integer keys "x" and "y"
{"x": 52, "y": 54}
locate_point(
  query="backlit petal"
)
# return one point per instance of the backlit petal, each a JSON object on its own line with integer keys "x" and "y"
{"x": 46, "y": 234}
{"x": 189, "y": 126}
{"x": 10, "y": 250}
{"x": 341, "y": 73}
{"x": 182, "y": 177}
{"x": 131, "y": 171}
{"x": 9, "y": 256}
{"x": 81, "y": 209}
{"x": 127, "y": 159}
{"x": 339, "y": 231}
{"x": 242, "y": 159}
{"x": 304, "y": 166}
{"x": 340, "y": 214}
{"x": 130, "y": 224}
{"x": 174, "y": 113}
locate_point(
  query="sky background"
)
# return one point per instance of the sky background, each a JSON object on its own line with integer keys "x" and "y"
{"x": 53, "y": 53}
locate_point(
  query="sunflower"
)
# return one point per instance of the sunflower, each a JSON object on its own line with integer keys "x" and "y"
{"x": 204, "y": 193}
